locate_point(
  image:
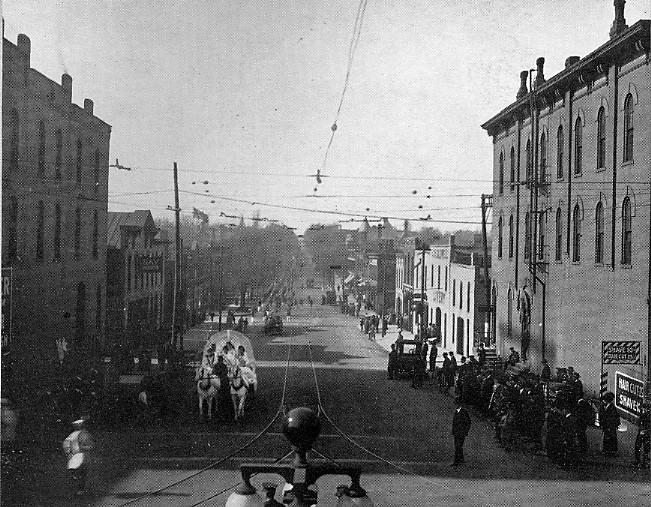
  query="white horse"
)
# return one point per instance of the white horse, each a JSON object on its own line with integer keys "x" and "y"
{"x": 208, "y": 386}
{"x": 238, "y": 391}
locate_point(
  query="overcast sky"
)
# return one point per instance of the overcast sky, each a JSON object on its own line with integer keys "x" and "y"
{"x": 242, "y": 94}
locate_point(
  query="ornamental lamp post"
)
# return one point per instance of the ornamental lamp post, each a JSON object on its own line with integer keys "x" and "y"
{"x": 301, "y": 427}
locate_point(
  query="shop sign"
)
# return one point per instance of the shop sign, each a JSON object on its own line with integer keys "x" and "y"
{"x": 618, "y": 352}
{"x": 151, "y": 264}
{"x": 438, "y": 297}
{"x": 440, "y": 253}
{"x": 629, "y": 393}
{"x": 6, "y": 305}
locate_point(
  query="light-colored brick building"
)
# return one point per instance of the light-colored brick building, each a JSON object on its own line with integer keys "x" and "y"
{"x": 54, "y": 199}
{"x": 571, "y": 205}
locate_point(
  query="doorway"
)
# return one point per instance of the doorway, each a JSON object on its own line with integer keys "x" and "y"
{"x": 460, "y": 328}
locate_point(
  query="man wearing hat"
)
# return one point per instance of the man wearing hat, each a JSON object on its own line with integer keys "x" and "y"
{"x": 77, "y": 447}
{"x": 609, "y": 422}
{"x": 460, "y": 427}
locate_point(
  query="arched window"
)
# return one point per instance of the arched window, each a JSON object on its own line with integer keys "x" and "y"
{"x": 41, "y": 149}
{"x": 576, "y": 234}
{"x": 529, "y": 160}
{"x": 559, "y": 234}
{"x": 57, "y": 231}
{"x": 461, "y": 294}
{"x": 527, "y": 236}
{"x": 511, "y": 231}
{"x": 59, "y": 154}
{"x": 96, "y": 171}
{"x": 454, "y": 292}
{"x": 599, "y": 234}
{"x": 509, "y": 314}
{"x": 560, "y": 152}
{"x": 40, "y": 230}
{"x": 578, "y": 146}
{"x": 627, "y": 231}
{"x": 499, "y": 238}
{"x": 77, "y": 232}
{"x": 14, "y": 128}
{"x": 95, "y": 233}
{"x": 10, "y": 227}
{"x": 601, "y": 138}
{"x": 543, "y": 157}
{"x": 80, "y": 161}
{"x": 468, "y": 297}
{"x": 500, "y": 186}
{"x": 628, "y": 128}
{"x": 80, "y": 315}
{"x": 512, "y": 168}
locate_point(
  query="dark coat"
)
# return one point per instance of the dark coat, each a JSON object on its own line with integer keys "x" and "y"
{"x": 461, "y": 422}
{"x": 609, "y": 418}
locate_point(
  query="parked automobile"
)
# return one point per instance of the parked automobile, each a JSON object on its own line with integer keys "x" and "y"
{"x": 274, "y": 325}
{"x": 407, "y": 356}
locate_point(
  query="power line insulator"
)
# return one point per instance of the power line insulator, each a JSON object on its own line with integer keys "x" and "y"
{"x": 334, "y": 127}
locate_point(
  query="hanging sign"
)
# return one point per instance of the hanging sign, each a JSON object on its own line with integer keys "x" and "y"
{"x": 629, "y": 394}
{"x": 616, "y": 352}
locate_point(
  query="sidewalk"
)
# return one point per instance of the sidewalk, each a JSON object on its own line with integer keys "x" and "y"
{"x": 626, "y": 439}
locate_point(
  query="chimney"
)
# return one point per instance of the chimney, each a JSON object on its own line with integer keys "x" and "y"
{"x": 523, "y": 85}
{"x": 619, "y": 24}
{"x": 88, "y": 106}
{"x": 66, "y": 84}
{"x": 24, "y": 47}
{"x": 571, "y": 60}
{"x": 540, "y": 76}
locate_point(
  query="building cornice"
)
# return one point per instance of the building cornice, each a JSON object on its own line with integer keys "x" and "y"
{"x": 631, "y": 42}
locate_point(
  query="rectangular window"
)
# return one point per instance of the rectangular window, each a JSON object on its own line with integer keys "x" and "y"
{"x": 460, "y": 295}
{"x": 438, "y": 284}
{"x": 95, "y": 234}
{"x": 445, "y": 329}
{"x": 446, "y": 278}
{"x": 453, "y": 326}
{"x": 468, "y": 297}
{"x": 77, "y": 232}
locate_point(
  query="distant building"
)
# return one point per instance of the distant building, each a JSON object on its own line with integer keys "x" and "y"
{"x": 571, "y": 176}
{"x": 454, "y": 284}
{"x": 137, "y": 278}
{"x": 54, "y": 205}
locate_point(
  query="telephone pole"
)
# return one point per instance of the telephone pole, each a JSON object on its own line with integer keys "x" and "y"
{"x": 177, "y": 265}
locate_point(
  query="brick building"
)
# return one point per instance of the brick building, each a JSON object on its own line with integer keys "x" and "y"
{"x": 137, "y": 273}
{"x": 571, "y": 160}
{"x": 54, "y": 189}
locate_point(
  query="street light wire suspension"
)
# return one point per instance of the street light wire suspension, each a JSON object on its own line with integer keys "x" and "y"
{"x": 354, "y": 42}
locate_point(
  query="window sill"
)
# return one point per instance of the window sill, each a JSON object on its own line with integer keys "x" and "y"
{"x": 558, "y": 261}
{"x": 598, "y": 264}
{"x": 576, "y": 263}
{"x": 577, "y": 175}
{"x": 560, "y": 180}
{"x": 626, "y": 266}
{"x": 628, "y": 162}
{"x": 600, "y": 169}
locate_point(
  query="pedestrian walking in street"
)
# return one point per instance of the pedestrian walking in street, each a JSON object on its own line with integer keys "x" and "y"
{"x": 418, "y": 372}
{"x": 77, "y": 447}
{"x": 445, "y": 372}
{"x": 433, "y": 354}
{"x": 609, "y": 422}
{"x": 460, "y": 427}
{"x": 393, "y": 362}
{"x": 371, "y": 333}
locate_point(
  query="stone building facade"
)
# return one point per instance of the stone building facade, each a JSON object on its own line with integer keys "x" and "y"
{"x": 54, "y": 199}
{"x": 571, "y": 221}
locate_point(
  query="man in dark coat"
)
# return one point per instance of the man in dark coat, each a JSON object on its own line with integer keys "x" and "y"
{"x": 445, "y": 371}
{"x": 546, "y": 373}
{"x": 481, "y": 352}
{"x": 393, "y": 362}
{"x": 584, "y": 417}
{"x": 433, "y": 353}
{"x": 609, "y": 422}
{"x": 460, "y": 427}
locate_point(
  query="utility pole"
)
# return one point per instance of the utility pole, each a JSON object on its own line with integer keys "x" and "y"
{"x": 422, "y": 292}
{"x": 487, "y": 202}
{"x": 177, "y": 265}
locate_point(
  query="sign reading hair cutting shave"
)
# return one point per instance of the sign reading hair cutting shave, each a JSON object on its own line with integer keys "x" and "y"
{"x": 629, "y": 393}
{"x": 620, "y": 352}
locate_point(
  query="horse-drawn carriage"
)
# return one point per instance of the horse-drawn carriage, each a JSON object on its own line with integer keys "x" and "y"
{"x": 227, "y": 363}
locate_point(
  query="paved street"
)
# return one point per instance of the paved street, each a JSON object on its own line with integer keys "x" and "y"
{"x": 409, "y": 428}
